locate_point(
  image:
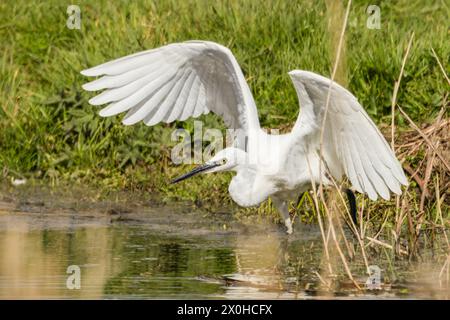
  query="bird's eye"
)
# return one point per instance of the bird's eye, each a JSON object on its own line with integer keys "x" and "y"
{"x": 223, "y": 161}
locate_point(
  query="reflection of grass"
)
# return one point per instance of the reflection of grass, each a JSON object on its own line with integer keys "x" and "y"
{"x": 169, "y": 267}
{"x": 48, "y": 131}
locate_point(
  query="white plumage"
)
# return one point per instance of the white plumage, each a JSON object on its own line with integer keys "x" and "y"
{"x": 188, "y": 79}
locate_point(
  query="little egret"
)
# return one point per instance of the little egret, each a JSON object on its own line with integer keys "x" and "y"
{"x": 183, "y": 80}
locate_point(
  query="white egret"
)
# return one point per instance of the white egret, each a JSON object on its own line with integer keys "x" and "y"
{"x": 183, "y": 80}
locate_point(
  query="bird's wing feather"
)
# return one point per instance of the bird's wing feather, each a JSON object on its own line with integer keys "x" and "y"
{"x": 175, "y": 82}
{"x": 352, "y": 143}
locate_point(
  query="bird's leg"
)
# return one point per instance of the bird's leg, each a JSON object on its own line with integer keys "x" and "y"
{"x": 282, "y": 207}
{"x": 352, "y": 203}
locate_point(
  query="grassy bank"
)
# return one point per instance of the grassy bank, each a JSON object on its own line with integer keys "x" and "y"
{"x": 49, "y": 131}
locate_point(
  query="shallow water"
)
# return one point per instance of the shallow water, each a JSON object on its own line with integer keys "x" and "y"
{"x": 153, "y": 251}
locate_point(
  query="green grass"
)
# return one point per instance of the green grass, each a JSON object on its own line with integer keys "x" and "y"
{"x": 48, "y": 131}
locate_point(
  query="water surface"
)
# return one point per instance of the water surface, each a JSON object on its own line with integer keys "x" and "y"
{"x": 157, "y": 251}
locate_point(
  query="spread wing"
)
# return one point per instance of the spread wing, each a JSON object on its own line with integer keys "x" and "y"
{"x": 352, "y": 144}
{"x": 175, "y": 82}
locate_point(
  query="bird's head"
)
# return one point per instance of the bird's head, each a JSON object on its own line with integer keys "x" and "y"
{"x": 227, "y": 159}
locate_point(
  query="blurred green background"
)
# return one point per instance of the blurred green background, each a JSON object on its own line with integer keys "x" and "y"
{"x": 49, "y": 132}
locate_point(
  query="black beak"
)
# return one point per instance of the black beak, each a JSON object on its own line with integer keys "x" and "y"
{"x": 196, "y": 170}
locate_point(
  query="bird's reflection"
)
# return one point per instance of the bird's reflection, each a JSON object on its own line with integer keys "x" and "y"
{"x": 268, "y": 264}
